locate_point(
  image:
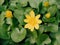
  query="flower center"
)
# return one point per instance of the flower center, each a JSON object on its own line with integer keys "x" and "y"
{"x": 32, "y": 21}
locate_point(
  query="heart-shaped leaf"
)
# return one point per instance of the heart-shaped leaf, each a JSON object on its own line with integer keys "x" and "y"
{"x": 17, "y": 35}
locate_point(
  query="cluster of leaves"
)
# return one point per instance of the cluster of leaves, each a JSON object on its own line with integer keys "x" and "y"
{"x": 12, "y": 31}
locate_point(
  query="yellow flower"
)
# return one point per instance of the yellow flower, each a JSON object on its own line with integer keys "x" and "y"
{"x": 32, "y": 21}
{"x": 48, "y": 15}
{"x": 8, "y": 14}
{"x": 46, "y": 4}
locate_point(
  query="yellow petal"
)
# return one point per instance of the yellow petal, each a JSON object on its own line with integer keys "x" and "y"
{"x": 48, "y": 15}
{"x": 26, "y": 20}
{"x": 46, "y": 4}
{"x": 32, "y": 29}
{"x": 26, "y": 26}
{"x": 32, "y": 14}
{"x": 29, "y": 27}
{"x": 37, "y": 26}
{"x": 27, "y": 16}
{"x": 39, "y": 21}
{"x": 38, "y": 16}
{"x": 8, "y": 14}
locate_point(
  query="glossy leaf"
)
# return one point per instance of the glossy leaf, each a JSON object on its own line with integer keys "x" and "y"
{"x": 18, "y": 35}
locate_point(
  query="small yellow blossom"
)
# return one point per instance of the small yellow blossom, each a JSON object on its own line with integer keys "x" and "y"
{"x": 32, "y": 21}
{"x": 46, "y": 4}
{"x": 8, "y": 14}
{"x": 48, "y": 15}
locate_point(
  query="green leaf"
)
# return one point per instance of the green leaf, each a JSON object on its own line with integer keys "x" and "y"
{"x": 47, "y": 41}
{"x": 54, "y": 27}
{"x": 43, "y": 10}
{"x": 58, "y": 3}
{"x": 19, "y": 13}
{"x": 13, "y": 2}
{"x": 34, "y": 3}
{"x": 51, "y": 19}
{"x": 1, "y": 2}
{"x": 23, "y": 2}
{"x": 18, "y": 35}
{"x": 20, "y": 16}
{"x": 53, "y": 10}
{"x": 11, "y": 7}
{"x": 21, "y": 20}
{"x": 27, "y": 10}
{"x": 2, "y": 16}
{"x": 58, "y": 16}
{"x": 57, "y": 35}
{"x": 4, "y": 32}
{"x": 3, "y": 8}
{"x": 51, "y": 2}
{"x": 9, "y": 21}
{"x": 43, "y": 39}
{"x": 51, "y": 28}
{"x": 27, "y": 43}
{"x": 41, "y": 29}
{"x": 3, "y": 27}
{"x": 56, "y": 43}
{"x": 33, "y": 37}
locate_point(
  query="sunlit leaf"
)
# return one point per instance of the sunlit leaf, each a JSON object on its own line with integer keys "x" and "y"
{"x": 18, "y": 35}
